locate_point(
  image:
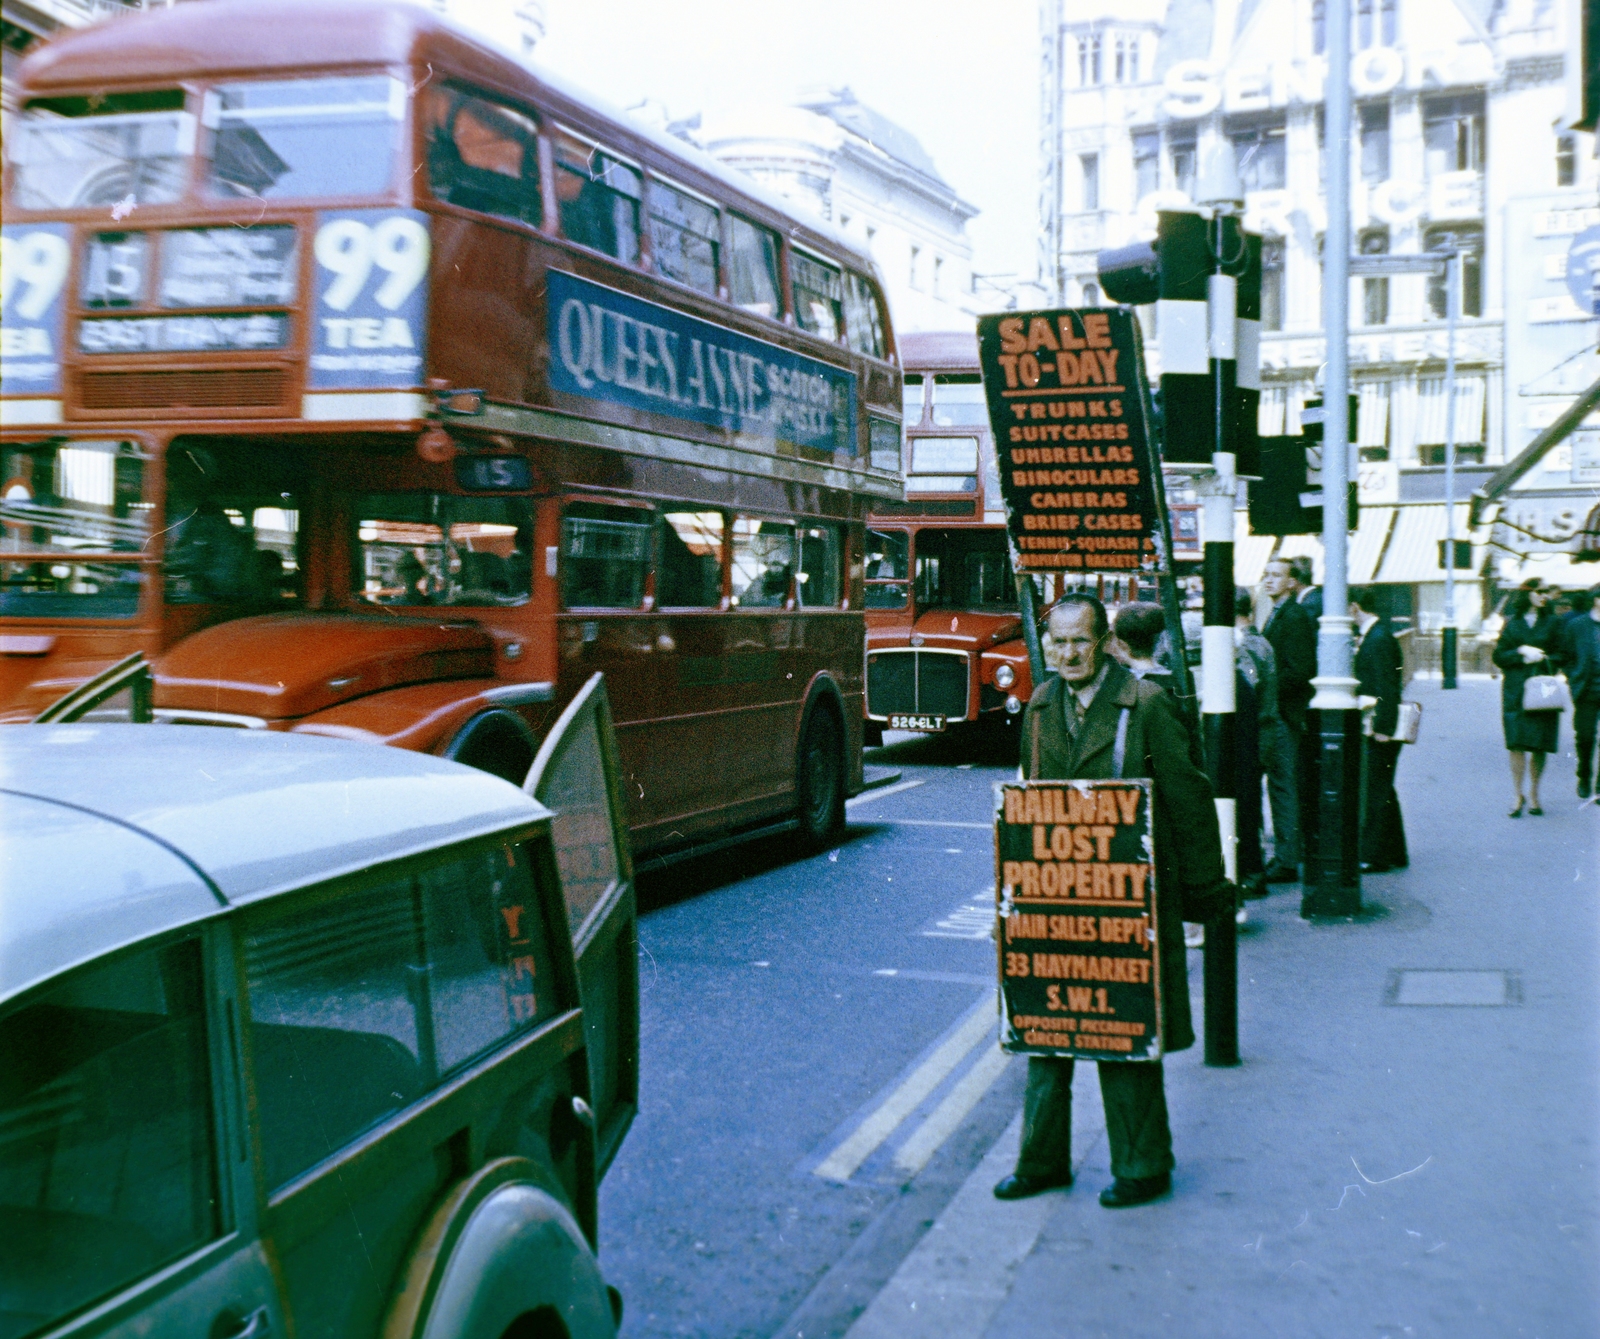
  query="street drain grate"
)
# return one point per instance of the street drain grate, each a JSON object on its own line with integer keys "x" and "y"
{"x": 1427, "y": 986}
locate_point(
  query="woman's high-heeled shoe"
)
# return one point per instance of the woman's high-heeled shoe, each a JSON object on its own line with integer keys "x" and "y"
{"x": 1536, "y": 812}
{"x": 1517, "y": 812}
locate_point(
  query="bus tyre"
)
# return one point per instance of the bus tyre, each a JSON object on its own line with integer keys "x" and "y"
{"x": 820, "y": 777}
{"x": 497, "y": 742}
{"x": 872, "y": 735}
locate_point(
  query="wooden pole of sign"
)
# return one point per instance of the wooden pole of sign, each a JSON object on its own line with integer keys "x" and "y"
{"x": 1028, "y": 602}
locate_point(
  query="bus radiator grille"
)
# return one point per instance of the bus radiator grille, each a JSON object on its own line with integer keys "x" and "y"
{"x": 927, "y": 682}
{"x": 212, "y": 388}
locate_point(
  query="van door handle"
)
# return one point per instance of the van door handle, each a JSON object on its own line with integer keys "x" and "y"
{"x": 257, "y": 1325}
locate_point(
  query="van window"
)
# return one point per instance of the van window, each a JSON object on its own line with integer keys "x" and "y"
{"x": 605, "y": 556}
{"x": 482, "y": 156}
{"x": 818, "y": 296}
{"x": 108, "y": 1161}
{"x": 753, "y": 268}
{"x": 685, "y": 237}
{"x": 361, "y": 1002}
{"x": 598, "y": 198}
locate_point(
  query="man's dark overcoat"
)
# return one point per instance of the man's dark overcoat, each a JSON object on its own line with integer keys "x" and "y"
{"x": 1188, "y": 844}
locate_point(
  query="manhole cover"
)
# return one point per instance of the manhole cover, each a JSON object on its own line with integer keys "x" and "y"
{"x": 1443, "y": 986}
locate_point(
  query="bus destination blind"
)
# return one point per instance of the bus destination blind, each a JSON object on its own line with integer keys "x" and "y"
{"x": 1075, "y": 896}
{"x": 1066, "y": 394}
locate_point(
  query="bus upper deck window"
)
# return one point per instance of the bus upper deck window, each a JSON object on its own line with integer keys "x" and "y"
{"x": 818, "y": 296}
{"x": 753, "y": 268}
{"x": 482, "y": 156}
{"x": 303, "y": 138}
{"x": 863, "y": 322}
{"x": 73, "y": 153}
{"x": 685, "y": 237}
{"x": 958, "y": 400}
{"x": 599, "y": 199}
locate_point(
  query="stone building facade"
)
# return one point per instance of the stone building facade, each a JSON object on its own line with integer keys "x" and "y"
{"x": 1454, "y": 137}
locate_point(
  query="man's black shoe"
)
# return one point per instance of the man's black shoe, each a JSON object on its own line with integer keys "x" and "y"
{"x": 1374, "y": 867}
{"x": 1282, "y": 874}
{"x": 1126, "y": 1191}
{"x": 1016, "y": 1187}
{"x": 1584, "y": 791}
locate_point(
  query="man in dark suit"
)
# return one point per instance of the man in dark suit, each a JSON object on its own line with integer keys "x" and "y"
{"x": 1581, "y": 653}
{"x": 1378, "y": 671}
{"x": 1293, "y": 634}
{"x": 1306, "y": 591}
{"x": 1071, "y": 730}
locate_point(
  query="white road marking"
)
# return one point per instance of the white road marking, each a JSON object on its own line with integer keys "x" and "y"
{"x": 912, "y": 1156}
{"x": 933, "y": 823}
{"x": 886, "y": 790}
{"x": 973, "y": 919}
{"x": 841, "y": 1164}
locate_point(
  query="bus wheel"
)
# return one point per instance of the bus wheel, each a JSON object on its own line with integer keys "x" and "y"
{"x": 872, "y": 736}
{"x": 497, "y": 742}
{"x": 820, "y": 779}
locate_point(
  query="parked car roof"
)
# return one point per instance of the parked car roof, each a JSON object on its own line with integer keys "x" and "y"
{"x": 112, "y": 833}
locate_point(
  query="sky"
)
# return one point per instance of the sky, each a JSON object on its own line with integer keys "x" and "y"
{"x": 962, "y": 77}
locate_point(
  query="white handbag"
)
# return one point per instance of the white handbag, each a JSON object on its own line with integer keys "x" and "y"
{"x": 1545, "y": 692}
{"x": 1408, "y": 722}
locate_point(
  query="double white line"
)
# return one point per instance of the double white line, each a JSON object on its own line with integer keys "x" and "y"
{"x": 978, "y": 1026}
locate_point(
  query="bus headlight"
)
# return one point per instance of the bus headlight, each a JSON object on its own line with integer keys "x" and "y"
{"x": 1013, "y": 705}
{"x": 1004, "y": 677}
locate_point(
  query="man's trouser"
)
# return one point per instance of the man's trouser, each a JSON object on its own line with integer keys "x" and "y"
{"x": 1584, "y": 713}
{"x": 1136, "y": 1118}
{"x": 1280, "y": 743}
{"x": 1383, "y": 831}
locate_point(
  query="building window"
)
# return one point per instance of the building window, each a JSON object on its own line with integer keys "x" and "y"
{"x": 1146, "y": 164}
{"x": 1089, "y": 163}
{"x": 1452, "y": 133}
{"x": 1374, "y": 292}
{"x": 1089, "y": 60}
{"x": 1183, "y": 163}
{"x": 1259, "y": 152}
{"x": 1376, "y": 21}
{"x": 938, "y": 276}
{"x": 1127, "y": 59}
{"x": 1091, "y": 295}
{"x": 1375, "y": 143}
{"x": 1470, "y": 240}
{"x": 1272, "y": 257}
{"x": 916, "y": 265}
{"x": 1566, "y": 160}
{"x": 1319, "y": 27}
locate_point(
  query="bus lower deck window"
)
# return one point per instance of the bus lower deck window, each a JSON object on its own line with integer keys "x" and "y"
{"x": 763, "y": 563}
{"x": 689, "y": 575}
{"x": 436, "y": 548}
{"x": 605, "y": 556}
{"x": 817, "y": 581}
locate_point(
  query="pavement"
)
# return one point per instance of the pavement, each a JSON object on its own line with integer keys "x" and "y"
{"x": 1409, "y": 1147}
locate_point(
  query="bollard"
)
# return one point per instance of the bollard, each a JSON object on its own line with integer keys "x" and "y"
{"x": 1221, "y": 966}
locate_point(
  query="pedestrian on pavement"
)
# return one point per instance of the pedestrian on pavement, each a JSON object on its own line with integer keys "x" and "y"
{"x": 1582, "y": 655}
{"x": 1525, "y": 649}
{"x": 1138, "y": 627}
{"x": 1070, "y": 731}
{"x": 1307, "y": 594}
{"x": 1293, "y": 634}
{"x": 1378, "y": 670}
{"x": 1273, "y": 744}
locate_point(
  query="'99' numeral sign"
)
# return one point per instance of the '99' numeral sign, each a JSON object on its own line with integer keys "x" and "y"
{"x": 371, "y": 313}
{"x": 33, "y": 270}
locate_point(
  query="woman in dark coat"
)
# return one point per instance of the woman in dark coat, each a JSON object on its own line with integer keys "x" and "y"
{"x": 1527, "y": 646}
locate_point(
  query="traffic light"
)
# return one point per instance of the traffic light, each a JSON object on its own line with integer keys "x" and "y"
{"x": 1280, "y": 500}
{"x": 1204, "y": 277}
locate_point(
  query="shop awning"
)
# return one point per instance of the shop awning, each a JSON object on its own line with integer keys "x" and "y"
{"x": 1412, "y": 556}
{"x": 1250, "y": 552}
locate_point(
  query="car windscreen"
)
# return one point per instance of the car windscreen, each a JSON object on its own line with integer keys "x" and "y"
{"x": 302, "y": 138}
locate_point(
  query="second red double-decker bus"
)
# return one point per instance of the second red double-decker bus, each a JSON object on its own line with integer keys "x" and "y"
{"x": 372, "y": 384}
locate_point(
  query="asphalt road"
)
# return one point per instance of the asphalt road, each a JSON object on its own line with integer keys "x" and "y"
{"x": 818, "y": 1071}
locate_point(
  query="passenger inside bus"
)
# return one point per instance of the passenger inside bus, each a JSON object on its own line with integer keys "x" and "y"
{"x": 437, "y": 548}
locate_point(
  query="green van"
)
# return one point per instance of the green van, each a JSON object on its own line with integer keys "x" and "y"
{"x": 302, "y": 1037}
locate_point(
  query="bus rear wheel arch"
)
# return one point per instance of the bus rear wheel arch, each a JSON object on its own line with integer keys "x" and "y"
{"x": 819, "y": 772}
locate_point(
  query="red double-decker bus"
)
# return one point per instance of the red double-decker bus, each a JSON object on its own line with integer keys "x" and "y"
{"x": 372, "y": 384}
{"x": 944, "y": 638}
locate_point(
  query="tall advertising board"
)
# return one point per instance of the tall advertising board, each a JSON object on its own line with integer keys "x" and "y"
{"x": 1067, "y": 395}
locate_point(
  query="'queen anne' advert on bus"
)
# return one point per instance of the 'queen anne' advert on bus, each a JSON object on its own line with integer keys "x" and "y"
{"x": 608, "y": 346}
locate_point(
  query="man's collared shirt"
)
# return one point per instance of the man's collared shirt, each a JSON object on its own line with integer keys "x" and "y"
{"x": 1084, "y": 693}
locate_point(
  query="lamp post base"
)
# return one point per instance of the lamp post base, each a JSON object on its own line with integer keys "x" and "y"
{"x": 1447, "y": 656}
{"x": 1333, "y": 856}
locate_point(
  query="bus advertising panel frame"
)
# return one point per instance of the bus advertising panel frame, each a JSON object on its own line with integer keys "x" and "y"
{"x": 1077, "y": 935}
{"x": 1067, "y": 396}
